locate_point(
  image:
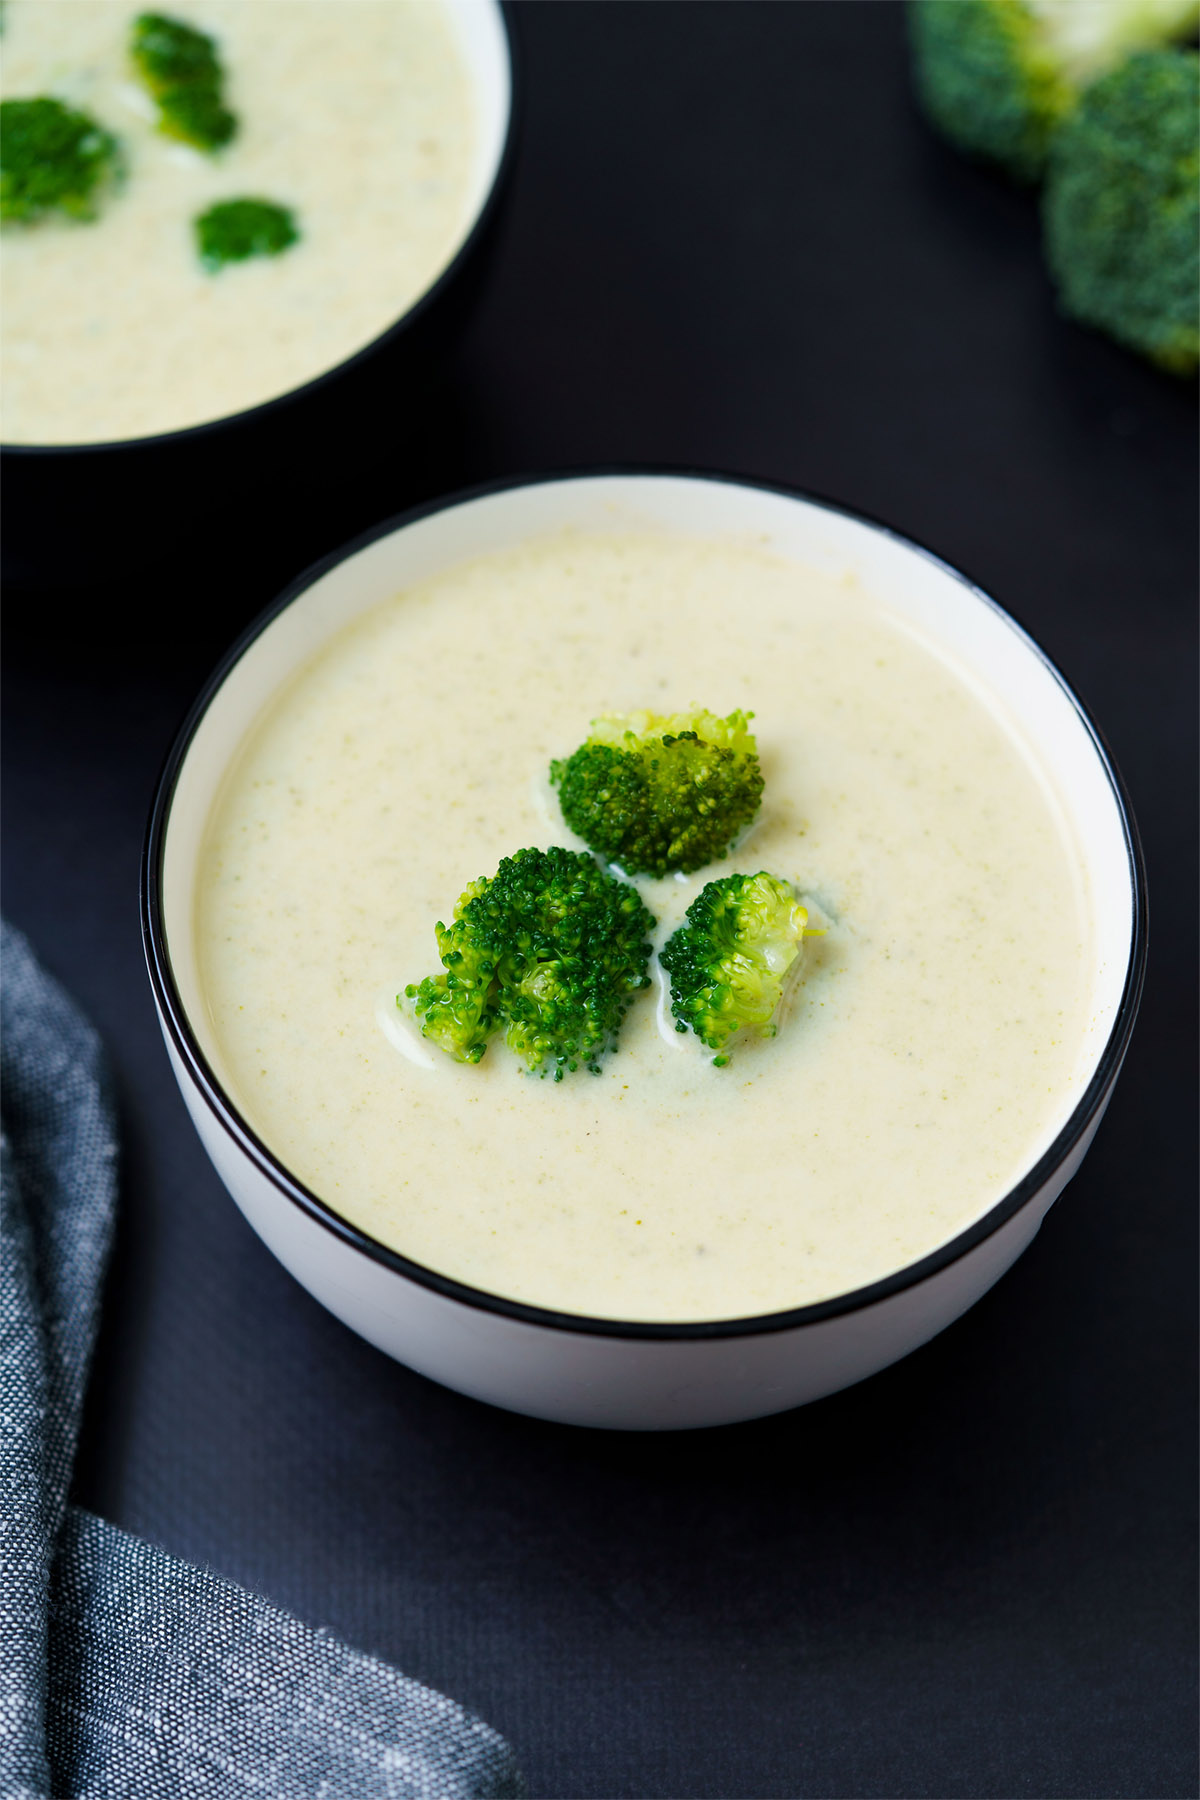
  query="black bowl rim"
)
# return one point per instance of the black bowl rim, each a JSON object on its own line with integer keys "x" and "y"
{"x": 390, "y": 335}
{"x": 179, "y": 1031}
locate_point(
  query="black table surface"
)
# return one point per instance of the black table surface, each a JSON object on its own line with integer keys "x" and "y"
{"x": 731, "y": 243}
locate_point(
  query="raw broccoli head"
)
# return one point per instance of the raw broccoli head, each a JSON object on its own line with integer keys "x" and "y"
{"x": 998, "y": 76}
{"x": 1121, "y": 213}
{"x": 552, "y": 948}
{"x": 728, "y": 960}
{"x": 233, "y": 230}
{"x": 52, "y": 159}
{"x": 657, "y": 794}
{"x": 180, "y": 67}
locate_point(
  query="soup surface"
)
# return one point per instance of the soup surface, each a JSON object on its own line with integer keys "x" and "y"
{"x": 936, "y": 1040}
{"x": 356, "y": 114}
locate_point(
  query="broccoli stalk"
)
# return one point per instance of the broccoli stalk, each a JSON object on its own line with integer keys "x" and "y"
{"x": 997, "y": 77}
{"x": 52, "y": 159}
{"x": 654, "y": 794}
{"x": 1121, "y": 211}
{"x": 550, "y": 947}
{"x": 233, "y": 230}
{"x": 180, "y": 67}
{"x": 729, "y": 959}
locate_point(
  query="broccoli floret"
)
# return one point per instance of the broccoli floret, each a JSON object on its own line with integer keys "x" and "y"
{"x": 728, "y": 960}
{"x": 235, "y": 229}
{"x": 1121, "y": 209}
{"x": 657, "y": 794}
{"x": 998, "y": 76}
{"x": 550, "y": 947}
{"x": 180, "y": 67}
{"x": 52, "y": 159}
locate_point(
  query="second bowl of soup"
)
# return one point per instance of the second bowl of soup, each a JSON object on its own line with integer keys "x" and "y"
{"x": 146, "y": 390}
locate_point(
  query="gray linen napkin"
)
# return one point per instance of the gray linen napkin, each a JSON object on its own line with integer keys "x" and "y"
{"x": 124, "y": 1672}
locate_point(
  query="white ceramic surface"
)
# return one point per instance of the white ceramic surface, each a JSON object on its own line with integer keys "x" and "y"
{"x": 610, "y": 1373}
{"x": 483, "y": 45}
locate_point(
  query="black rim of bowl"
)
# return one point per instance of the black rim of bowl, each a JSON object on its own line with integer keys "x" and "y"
{"x": 181, "y": 1035}
{"x": 399, "y": 328}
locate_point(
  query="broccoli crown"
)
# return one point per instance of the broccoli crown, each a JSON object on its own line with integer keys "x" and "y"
{"x": 180, "y": 67}
{"x": 552, "y": 948}
{"x": 1121, "y": 213}
{"x": 998, "y": 76}
{"x": 728, "y": 960}
{"x": 51, "y": 160}
{"x": 661, "y": 793}
{"x": 987, "y": 81}
{"x": 235, "y": 229}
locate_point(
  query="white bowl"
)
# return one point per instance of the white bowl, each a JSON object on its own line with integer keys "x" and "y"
{"x": 601, "y": 1371}
{"x": 338, "y": 419}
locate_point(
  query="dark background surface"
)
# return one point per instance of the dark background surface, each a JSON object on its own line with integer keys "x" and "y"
{"x": 730, "y": 243}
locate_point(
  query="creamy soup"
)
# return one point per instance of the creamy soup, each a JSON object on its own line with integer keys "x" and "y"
{"x": 938, "y": 1035}
{"x": 356, "y": 114}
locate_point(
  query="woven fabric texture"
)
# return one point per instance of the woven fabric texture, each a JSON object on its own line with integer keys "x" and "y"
{"x": 123, "y": 1671}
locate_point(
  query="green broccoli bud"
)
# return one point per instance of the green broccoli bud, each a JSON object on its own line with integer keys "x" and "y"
{"x": 655, "y": 794}
{"x": 728, "y": 960}
{"x": 52, "y": 159}
{"x": 180, "y": 67}
{"x": 551, "y": 948}
{"x": 235, "y": 229}
{"x": 998, "y": 76}
{"x": 1121, "y": 211}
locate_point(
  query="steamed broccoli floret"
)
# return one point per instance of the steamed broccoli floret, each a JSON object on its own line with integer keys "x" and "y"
{"x": 998, "y": 76}
{"x": 728, "y": 960}
{"x": 1121, "y": 209}
{"x": 233, "y": 230}
{"x": 52, "y": 159}
{"x": 552, "y": 948}
{"x": 180, "y": 67}
{"x": 656, "y": 794}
